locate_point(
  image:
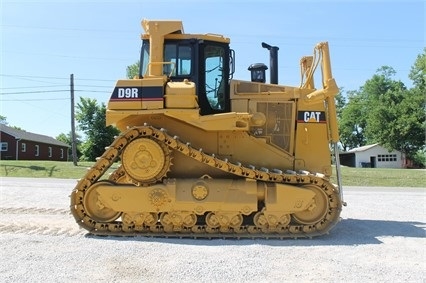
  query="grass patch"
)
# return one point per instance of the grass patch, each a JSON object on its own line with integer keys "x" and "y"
{"x": 45, "y": 169}
{"x": 350, "y": 176}
{"x": 382, "y": 177}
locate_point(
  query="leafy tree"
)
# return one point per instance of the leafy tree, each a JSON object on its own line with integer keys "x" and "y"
{"x": 397, "y": 118}
{"x": 419, "y": 158}
{"x": 92, "y": 120}
{"x": 352, "y": 122}
{"x": 383, "y": 95}
{"x": 384, "y": 111}
{"x": 405, "y": 127}
{"x": 364, "y": 117}
{"x": 418, "y": 76}
{"x": 67, "y": 138}
{"x": 418, "y": 71}
{"x": 340, "y": 103}
{"x": 133, "y": 70}
{"x": 3, "y": 120}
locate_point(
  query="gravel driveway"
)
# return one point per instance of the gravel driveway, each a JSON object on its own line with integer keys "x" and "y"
{"x": 381, "y": 238}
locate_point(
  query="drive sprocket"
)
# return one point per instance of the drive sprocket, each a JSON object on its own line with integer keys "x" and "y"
{"x": 145, "y": 161}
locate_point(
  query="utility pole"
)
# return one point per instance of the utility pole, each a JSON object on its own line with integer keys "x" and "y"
{"x": 73, "y": 138}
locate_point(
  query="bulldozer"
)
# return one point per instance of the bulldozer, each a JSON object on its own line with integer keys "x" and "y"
{"x": 203, "y": 155}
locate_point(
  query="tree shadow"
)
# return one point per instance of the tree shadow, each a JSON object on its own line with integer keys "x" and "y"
{"x": 348, "y": 232}
{"x": 32, "y": 167}
{"x": 49, "y": 170}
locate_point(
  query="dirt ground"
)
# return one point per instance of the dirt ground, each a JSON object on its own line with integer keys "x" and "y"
{"x": 381, "y": 238}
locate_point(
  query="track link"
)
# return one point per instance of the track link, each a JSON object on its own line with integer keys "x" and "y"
{"x": 117, "y": 228}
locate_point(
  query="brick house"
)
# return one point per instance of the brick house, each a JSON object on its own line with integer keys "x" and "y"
{"x": 21, "y": 145}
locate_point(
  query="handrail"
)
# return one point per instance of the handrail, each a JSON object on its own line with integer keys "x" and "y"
{"x": 148, "y": 69}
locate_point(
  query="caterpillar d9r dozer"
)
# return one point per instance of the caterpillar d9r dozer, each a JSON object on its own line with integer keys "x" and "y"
{"x": 202, "y": 155}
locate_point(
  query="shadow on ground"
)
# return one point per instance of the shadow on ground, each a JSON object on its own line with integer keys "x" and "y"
{"x": 347, "y": 232}
{"x": 10, "y": 168}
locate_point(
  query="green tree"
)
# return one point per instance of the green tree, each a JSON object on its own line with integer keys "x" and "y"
{"x": 382, "y": 95}
{"x": 92, "y": 121}
{"x": 133, "y": 70}
{"x": 67, "y": 138}
{"x": 3, "y": 120}
{"x": 396, "y": 118}
{"x": 384, "y": 111}
{"x": 340, "y": 103}
{"x": 352, "y": 122}
{"x": 418, "y": 71}
{"x": 410, "y": 124}
{"x": 418, "y": 76}
{"x": 359, "y": 114}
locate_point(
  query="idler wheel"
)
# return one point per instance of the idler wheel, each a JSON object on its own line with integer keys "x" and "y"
{"x": 317, "y": 210}
{"x": 94, "y": 206}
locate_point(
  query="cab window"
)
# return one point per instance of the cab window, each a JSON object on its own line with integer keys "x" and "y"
{"x": 179, "y": 57}
{"x": 144, "y": 58}
{"x": 215, "y": 85}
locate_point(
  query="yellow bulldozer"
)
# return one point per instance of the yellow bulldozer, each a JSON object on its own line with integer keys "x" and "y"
{"x": 203, "y": 155}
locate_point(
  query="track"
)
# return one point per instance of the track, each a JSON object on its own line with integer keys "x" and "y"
{"x": 292, "y": 230}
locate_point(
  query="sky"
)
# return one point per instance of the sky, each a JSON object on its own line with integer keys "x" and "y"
{"x": 44, "y": 42}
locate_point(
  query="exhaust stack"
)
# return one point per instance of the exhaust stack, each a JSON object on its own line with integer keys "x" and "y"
{"x": 273, "y": 62}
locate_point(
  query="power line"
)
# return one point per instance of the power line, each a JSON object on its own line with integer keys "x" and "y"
{"x": 67, "y": 56}
{"x": 36, "y": 99}
{"x": 37, "y": 77}
{"x": 55, "y": 78}
{"x": 52, "y": 91}
{"x": 85, "y": 90}
{"x": 32, "y": 77}
{"x": 95, "y": 86}
{"x": 230, "y": 35}
{"x": 68, "y": 29}
{"x": 48, "y": 86}
{"x": 34, "y": 91}
{"x": 99, "y": 80}
{"x": 26, "y": 87}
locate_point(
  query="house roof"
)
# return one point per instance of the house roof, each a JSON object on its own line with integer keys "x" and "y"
{"x": 19, "y": 134}
{"x": 363, "y": 148}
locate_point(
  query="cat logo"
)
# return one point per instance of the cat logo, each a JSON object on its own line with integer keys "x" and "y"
{"x": 311, "y": 117}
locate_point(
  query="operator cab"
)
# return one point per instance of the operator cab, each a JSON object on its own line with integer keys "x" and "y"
{"x": 208, "y": 64}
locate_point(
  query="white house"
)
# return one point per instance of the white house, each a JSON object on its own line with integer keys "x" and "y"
{"x": 373, "y": 156}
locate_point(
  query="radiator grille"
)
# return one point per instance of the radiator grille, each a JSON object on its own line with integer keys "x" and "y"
{"x": 279, "y": 123}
